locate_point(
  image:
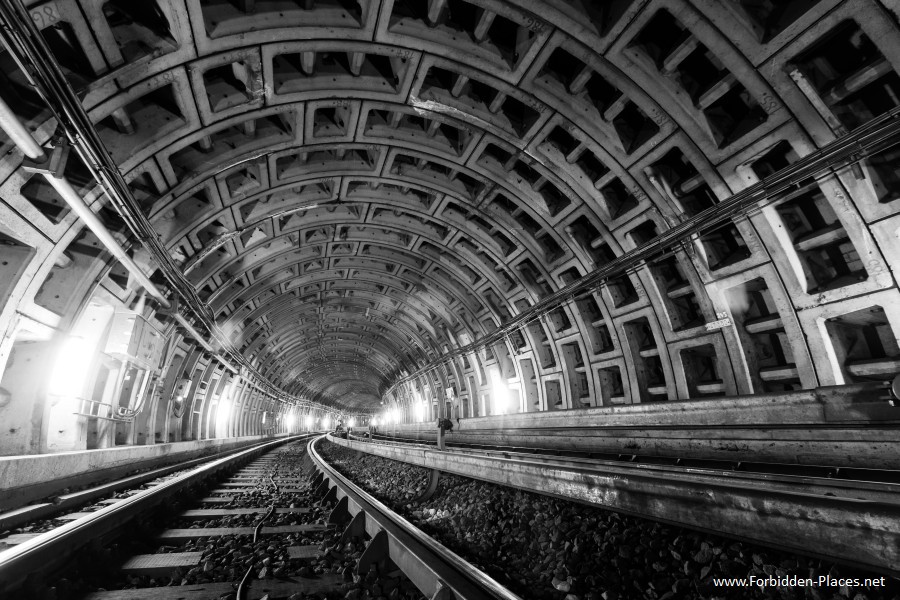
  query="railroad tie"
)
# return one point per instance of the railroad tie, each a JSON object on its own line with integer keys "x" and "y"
{"x": 212, "y": 513}
{"x": 18, "y": 538}
{"x": 245, "y": 480}
{"x": 233, "y": 491}
{"x": 322, "y": 584}
{"x": 245, "y": 490}
{"x": 161, "y": 565}
{"x": 73, "y": 516}
{"x": 299, "y": 552}
{"x": 183, "y": 535}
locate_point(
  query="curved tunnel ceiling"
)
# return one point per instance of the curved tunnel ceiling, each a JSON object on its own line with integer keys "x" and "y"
{"x": 357, "y": 187}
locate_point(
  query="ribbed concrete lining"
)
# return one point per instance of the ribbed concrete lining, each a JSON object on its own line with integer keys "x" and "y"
{"x": 387, "y": 180}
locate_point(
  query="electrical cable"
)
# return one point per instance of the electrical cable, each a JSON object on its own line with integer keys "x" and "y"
{"x": 878, "y": 135}
{"x": 239, "y": 595}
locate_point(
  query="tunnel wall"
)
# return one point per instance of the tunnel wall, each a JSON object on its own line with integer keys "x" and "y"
{"x": 378, "y": 184}
{"x": 27, "y": 479}
{"x": 801, "y": 428}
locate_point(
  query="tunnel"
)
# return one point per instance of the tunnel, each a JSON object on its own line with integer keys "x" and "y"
{"x": 658, "y": 232}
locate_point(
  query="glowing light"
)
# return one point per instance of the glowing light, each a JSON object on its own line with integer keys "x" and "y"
{"x": 72, "y": 367}
{"x": 289, "y": 421}
{"x": 420, "y": 411}
{"x": 351, "y": 422}
{"x": 502, "y": 397}
{"x": 309, "y": 421}
{"x": 223, "y": 410}
{"x": 374, "y": 421}
{"x": 326, "y": 421}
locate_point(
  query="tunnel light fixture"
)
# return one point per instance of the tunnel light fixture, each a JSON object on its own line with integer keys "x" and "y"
{"x": 223, "y": 411}
{"x": 500, "y": 392}
{"x": 309, "y": 422}
{"x": 326, "y": 421}
{"x": 351, "y": 422}
{"x": 72, "y": 367}
{"x": 289, "y": 421}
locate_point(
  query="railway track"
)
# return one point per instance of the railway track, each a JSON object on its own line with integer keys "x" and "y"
{"x": 744, "y": 466}
{"x": 849, "y": 516}
{"x": 268, "y": 522}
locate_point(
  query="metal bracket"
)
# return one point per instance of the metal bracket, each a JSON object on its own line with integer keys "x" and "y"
{"x": 339, "y": 514}
{"x": 376, "y": 553}
{"x": 173, "y": 307}
{"x": 895, "y": 392}
{"x": 330, "y": 495}
{"x": 54, "y": 165}
{"x": 443, "y": 592}
{"x": 321, "y": 488}
{"x": 355, "y": 529}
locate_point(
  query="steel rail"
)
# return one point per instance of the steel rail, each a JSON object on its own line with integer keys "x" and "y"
{"x": 818, "y": 478}
{"x": 875, "y": 136}
{"x": 810, "y": 516}
{"x": 430, "y": 565}
{"x": 48, "y": 551}
{"x": 16, "y": 516}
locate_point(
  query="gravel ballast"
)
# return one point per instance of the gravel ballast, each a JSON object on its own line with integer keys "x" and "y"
{"x": 226, "y": 558}
{"x": 545, "y": 548}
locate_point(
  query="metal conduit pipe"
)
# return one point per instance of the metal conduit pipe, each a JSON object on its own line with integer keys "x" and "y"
{"x": 183, "y": 322}
{"x": 19, "y": 135}
{"x": 68, "y": 193}
{"x": 23, "y": 139}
